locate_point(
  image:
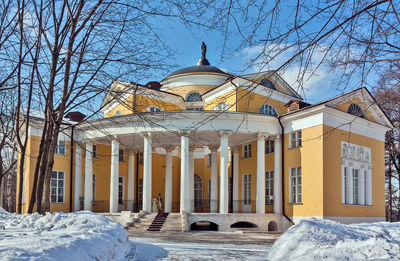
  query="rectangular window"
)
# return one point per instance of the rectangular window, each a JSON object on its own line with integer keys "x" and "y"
{"x": 355, "y": 187}
{"x": 366, "y": 187}
{"x": 246, "y": 151}
{"x": 140, "y": 193}
{"x": 345, "y": 186}
{"x": 195, "y": 109}
{"x": 120, "y": 190}
{"x": 269, "y": 146}
{"x": 269, "y": 187}
{"x": 247, "y": 189}
{"x": 94, "y": 151}
{"x": 209, "y": 160}
{"x": 121, "y": 155}
{"x": 60, "y": 148}
{"x": 208, "y": 194}
{"x": 141, "y": 158}
{"x": 295, "y": 139}
{"x": 94, "y": 189}
{"x": 57, "y": 187}
{"x": 295, "y": 185}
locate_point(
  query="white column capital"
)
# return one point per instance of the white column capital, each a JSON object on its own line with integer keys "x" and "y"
{"x": 277, "y": 137}
{"x": 169, "y": 148}
{"x": 261, "y": 135}
{"x": 235, "y": 149}
{"x": 146, "y": 135}
{"x": 224, "y": 133}
{"x": 184, "y": 133}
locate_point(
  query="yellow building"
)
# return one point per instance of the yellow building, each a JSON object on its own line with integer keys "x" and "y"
{"x": 223, "y": 148}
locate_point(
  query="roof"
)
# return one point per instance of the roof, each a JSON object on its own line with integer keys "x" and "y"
{"x": 199, "y": 69}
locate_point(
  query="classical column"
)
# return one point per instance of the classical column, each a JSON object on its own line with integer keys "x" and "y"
{"x": 235, "y": 180}
{"x": 191, "y": 179}
{"x": 168, "y": 180}
{"x": 260, "y": 199}
{"x": 147, "y": 173}
{"x": 184, "y": 207}
{"x": 78, "y": 177}
{"x": 88, "y": 177}
{"x": 223, "y": 198}
{"x": 131, "y": 179}
{"x": 277, "y": 175}
{"x": 114, "y": 176}
{"x": 214, "y": 180}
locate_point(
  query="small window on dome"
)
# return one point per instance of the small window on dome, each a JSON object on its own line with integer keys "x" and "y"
{"x": 267, "y": 83}
{"x": 118, "y": 113}
{"x": 221, "y": 106}
{"x": 194, "y": 97}
{"x": 153, "y": 109}
{"x": 355, "y": 110}
{"x": 268, "y": 110}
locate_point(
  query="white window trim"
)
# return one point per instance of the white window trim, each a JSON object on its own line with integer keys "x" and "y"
{"x": 291, "y": 200}
{"x": 94, "y": 189}
{"x": 123, "y": 190}
{"x": 271, "y": 145}
{"x": 56, "y": 150}
{"x": 63, "y": 202}
{"x": 271, "y": 187}
{"x": 298, "y": 139}
{"x": 246, "y": 199}
{"x": 248, "y": 154}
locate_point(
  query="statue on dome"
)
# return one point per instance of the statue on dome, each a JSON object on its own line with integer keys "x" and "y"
{"x": 203, "y": 51}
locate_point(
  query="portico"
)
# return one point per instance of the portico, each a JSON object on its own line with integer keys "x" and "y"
{"x": 187, "y": 142}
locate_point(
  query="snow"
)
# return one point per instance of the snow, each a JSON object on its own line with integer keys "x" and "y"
{"x": 62, "y": 236}
{"x": 161, "y": 249}
{"x": 317, "y": 239}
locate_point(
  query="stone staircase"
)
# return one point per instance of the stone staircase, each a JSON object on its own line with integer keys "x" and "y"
{"x": 173, "y": 223}
{"x": 158, "y": 222}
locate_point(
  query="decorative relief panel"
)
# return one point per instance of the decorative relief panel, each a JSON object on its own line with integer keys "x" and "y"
{"x": 355, "y": 152}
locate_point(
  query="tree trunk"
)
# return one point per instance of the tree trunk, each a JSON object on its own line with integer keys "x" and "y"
{"x": 21, "y": 180}
{"x": 390, "y": 191}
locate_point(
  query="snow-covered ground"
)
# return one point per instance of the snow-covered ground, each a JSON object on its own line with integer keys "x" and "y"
{"x": 59, "y": 236}
{"x": 317, "y": 239}
{"x": 154, "y": 249}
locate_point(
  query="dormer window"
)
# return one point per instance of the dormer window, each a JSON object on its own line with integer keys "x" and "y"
{"x": 355, "y": 110}
{"x": 268, "y": 109}
{"x": 193, "y": 97}
{"x": 267, "y": 83}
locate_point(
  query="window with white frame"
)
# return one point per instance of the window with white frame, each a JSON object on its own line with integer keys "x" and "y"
{"x": 94, "y": 189}
{"x": 208, "y": 194}
{"x": 221, "y": 106}
{"x": 60, "y": 148}
{"x": 94, "y": 151}
{"x": 295, "y": 185}
{"x": 198, "y": 191}
{"x": 269, "y": 187}
{"x": 356, "y": 174}
{"x": 57, "y": 187}
{"x": 247, "y": 189}
{"x": 140, "y": 193}
{"x": 246, "y": 151}
{"x": 193, "y": 97}
{"x": 295, "y": 139}
{"x": 269, "y": 146}
{"x": 153, "y": 109}
{"x": 355, "y": 186}
{"x": 209, "y": 160}
{"x": 121, "y": 155}
{"x": 267, "y": 109}
{"x": 141, "y": 158}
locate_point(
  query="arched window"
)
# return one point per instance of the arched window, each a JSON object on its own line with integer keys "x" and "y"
{"x": 267, "y": 83}
{"x": 198, "y": 192}
{"x": 268, "y": 109}
{"x": 193, "y": 97}
{"x": 355, "y": 110}
{"x": 153, "y": 109}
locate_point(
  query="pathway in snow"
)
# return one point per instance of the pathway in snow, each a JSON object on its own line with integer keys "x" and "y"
{"x": 153, "y": 248}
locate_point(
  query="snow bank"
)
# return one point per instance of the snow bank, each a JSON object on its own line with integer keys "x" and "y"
{"x": 62, "y": 236}
{"x": 316, "y": 239}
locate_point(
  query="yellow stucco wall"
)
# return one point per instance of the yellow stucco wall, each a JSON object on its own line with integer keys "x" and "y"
{"x": 186, "y": 89}
{"x": 332, "y": 178}
{"x": 141, "y": 104}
